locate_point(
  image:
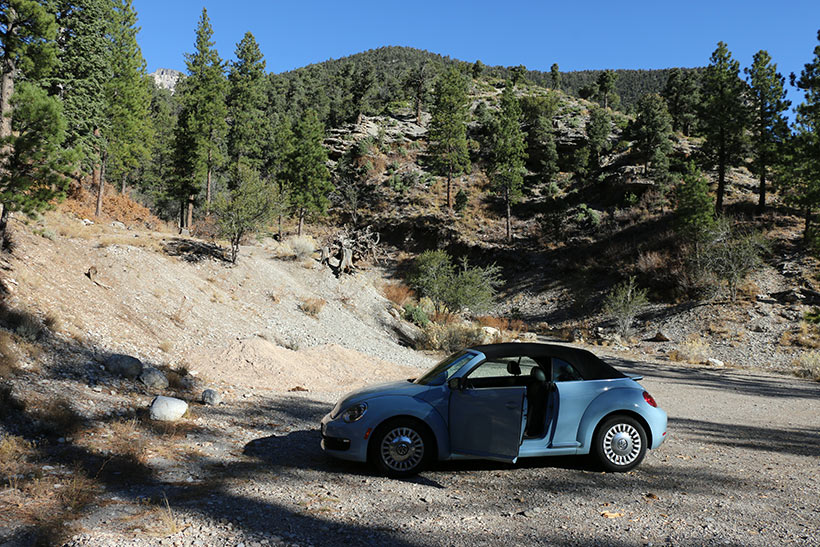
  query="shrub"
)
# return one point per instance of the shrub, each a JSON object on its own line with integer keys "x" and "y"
{"x": 461, "y": 201}
{"x": 436, "y": 277}
{"x": 807, "y": 365}
{"x": 415, "y": 314}
{"x": 693, "y": 350}
{"x": 624, "y": 303}
{"x": 312, "y": 306}
{"x": 694, "y": 211}
{"x": 302, "y": 246}
{"x": 450, "y": 337}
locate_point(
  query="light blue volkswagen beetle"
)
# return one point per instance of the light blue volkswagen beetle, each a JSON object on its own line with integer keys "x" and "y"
{"x": 499, "y": 402}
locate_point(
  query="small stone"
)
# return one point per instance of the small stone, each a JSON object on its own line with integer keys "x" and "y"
{"x": 211, "y": 397}
{"x": 712, "y": 362}
{"x": 118, "y": 224}
{"x": 659, "y": 337}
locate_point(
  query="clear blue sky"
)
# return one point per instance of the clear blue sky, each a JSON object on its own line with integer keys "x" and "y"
{"x": 577, "y": 35}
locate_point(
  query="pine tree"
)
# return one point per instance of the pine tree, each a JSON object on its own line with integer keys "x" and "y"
{"x": 310, "y": 176}
{"x": 724, "y": 116}
{"x": 542, "y": 145}
{"x": 803, "y": 160}
{"x": 448, "y": 129}
{"x": 606, "y": 87}
{"x": 417, "y": 81}
{"x": 598, "y": 129}
{"x": 35, "y": 168}
{"x": 508, "y": 153}
{"x": 770, "y": 127}
{"x": 245, "y": 208}
{"x": 27, "y": 47}
{"x": 694, "y": 212}
{"x": 682, "y": 94}
{"x": 653, "y": 132}
{"x": 555, "y": 76}
{"x": 201, "y": 127}
{"x": 157, "y": 181}
{"x": 247, "y": 97}
{"x": 277, "y": 165}
{"x": 128, "y": 94}
{"x": 83, "y": 73}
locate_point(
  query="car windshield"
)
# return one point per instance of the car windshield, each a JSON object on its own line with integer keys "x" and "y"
{"x": 442, "y": 372}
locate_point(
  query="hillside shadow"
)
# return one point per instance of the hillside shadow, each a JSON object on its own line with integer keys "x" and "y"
{"x": 191, "y": 250}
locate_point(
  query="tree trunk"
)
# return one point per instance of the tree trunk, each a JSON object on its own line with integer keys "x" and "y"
{"x": 189, "y": 220}
{"x": 97, "y": 180}
{"x": 181, "y": 214}
{"x": 509, "y": 222}
{"x": 280, "y": 227}
{"x": 761, "y": 203}
{"x": 721, "y": 176}
{"x": 6, "y": 91}
{"x": 449, "y": 195}
{"x": 301, "y": 221}
{"x": 4, "y": 220}
{"x": 208, "y": 185}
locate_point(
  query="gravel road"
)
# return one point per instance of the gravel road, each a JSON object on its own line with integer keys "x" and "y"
{"x": 739, "y": 468}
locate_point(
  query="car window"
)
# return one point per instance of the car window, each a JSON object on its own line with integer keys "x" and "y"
{"x": 563, "y": 371}
{"x": 442, "y": 372}
{"x": 503, "y": 367}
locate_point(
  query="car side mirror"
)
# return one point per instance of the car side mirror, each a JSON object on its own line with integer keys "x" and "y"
{"x": 456, "y": 384}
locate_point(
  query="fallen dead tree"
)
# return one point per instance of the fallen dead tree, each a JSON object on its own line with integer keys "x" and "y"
{"x": 350, "y": 246}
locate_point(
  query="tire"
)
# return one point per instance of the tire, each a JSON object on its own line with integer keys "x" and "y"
{"x": 620, "y": 443}
{"x": 400, "y": 447}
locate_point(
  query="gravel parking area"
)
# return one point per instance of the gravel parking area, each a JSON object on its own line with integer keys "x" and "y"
{"x": 739, "y": 468}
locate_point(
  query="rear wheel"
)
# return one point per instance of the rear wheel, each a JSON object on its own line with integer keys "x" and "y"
{"x": 620, "y": 443}
{"x": 400, "y": 448}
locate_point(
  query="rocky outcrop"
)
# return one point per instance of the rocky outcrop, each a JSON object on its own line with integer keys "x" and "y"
{"x": 166, "y": 78}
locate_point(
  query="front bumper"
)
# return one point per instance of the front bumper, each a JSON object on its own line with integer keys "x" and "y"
{"x": 343, "y": 440}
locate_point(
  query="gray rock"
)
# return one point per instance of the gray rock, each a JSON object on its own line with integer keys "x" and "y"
{"x": 712, "y": 362}
{"x": 123, "y": 365}
{"x": 489, "y": 335}
{"x": 153, "y": 378}
{"x": 167, "y": 409}
{"x": 211, "y": 397}
{"x": 118, "y": 224}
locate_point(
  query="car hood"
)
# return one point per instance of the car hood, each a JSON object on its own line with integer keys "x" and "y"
{"x": 402, "y": 387}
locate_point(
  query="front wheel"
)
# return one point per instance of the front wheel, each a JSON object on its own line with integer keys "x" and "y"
{"x": 400, "y": 448}
{"x": 620, "y": 443}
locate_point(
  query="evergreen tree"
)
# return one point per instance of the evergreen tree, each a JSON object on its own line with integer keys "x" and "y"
{"x": 770, "y": 127}
{"x": 157, "y": 179}
{"x": 310, "y": 177}
{"x": 724, "y": 117}
{"x": 606, "y": 87}
{"x": 555, "y": 76}
{"x": 682, "y": 94}
{"x": 542, "y": 145}
{"x": 478, "y": 69}
{"x": 246, "y": 102}
{"x": 245, "y": 208}
{"x": 448, "y": 128}
{"x": 417, "y": 81}
{"x": 598, "y": 128}
{"x": 694, "y": 212}
{"x": 35, "y": 168}
{"x": 84, "y": 70}
{"x": 27, "y": 47}
{"x": 277, "y": 165}
{"x": 518, "y": 73}
{"x": 803, "y": 187}
{"x": 128, "y": 94}
{"x": 508, "y": 153}
{"x": 201, "y": 127}
{"x": 653, "y": 132}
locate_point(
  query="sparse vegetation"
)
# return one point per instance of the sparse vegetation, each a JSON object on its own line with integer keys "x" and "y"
{"x": 624, "y": 303}
{"x": 693, "y": 350}
{"x": 807, "y": 365}
{"x": 450, "y": 337}
{"x": 312, "y": 306}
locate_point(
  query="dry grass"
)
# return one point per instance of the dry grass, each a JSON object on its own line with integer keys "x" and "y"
{"x": 398, "y": 293}
{"x": 312, "y": 306}
{"x": 178, "y": 316}
{"x": 449, "y": 337}
{"x": 8, "y": 356}
{"x": 693, "y": 350}
{"x": 59, "y": 417}
{"x": 807, "y": 365}
{"x": 652, "y": 261}
{"x": 116, "y": 206}
{"x": 15, "y": 454}
{"x": 165, "y": 346}
{"x": 301, "y": 247}
{"x": 806, "y": 335}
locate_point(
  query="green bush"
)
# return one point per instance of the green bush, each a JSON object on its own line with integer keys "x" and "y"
{"x": 415, "y": 314}
{"x": 461, "y": 200}
{"x": 450, "y": 288}
{"x": 451, "y": 337}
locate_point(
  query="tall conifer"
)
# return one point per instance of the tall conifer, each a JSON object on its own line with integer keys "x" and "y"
{"x": 310, "y": 176}
{"x": 724, "y": 116}
{"x": 448, "y": 129}
{"x": 653, "y": 131}
{"x": 508, "y": 153}
{"x": 201, "y": 127}
{"x": 247, "y": 98}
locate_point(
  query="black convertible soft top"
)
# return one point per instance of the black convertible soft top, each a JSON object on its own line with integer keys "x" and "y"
{"x": 587, "y": 364}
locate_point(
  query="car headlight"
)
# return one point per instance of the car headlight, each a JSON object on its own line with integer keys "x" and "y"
{"x": 354, "y": 412}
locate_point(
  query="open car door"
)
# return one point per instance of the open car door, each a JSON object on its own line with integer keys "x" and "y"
{"x": 487, "y": 422}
